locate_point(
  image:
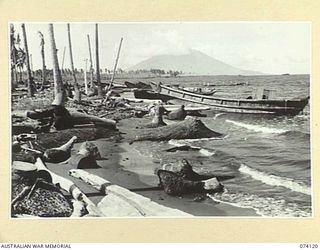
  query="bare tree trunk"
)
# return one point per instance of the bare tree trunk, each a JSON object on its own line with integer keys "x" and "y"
{"x": 30, "y": 78}
{"x": 43, "y": 61}
{"x": 59, "y": 93}
{"x": 77, "y": 95}
{"x": 64, "y": 52}
{"x": 115, "y": 66}
{"x": 31, "y": 66}
{"x": 97, "y": 64}
{"x": 91, "y": 65}
{"x": 86, "y": 77}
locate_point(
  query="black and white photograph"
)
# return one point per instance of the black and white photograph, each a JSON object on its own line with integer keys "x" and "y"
{"x": 160, "y": 119}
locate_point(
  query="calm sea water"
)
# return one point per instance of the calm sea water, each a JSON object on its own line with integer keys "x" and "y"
{"x": 269, "y": 157}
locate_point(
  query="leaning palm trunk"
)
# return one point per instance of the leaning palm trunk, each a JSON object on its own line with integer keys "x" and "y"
{"x": 77, "y": 96}
{"x": 30, "y": 78}
{"x": 59, "y": 93}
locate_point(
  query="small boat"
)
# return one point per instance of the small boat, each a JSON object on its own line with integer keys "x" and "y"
{"x": 150, "y": 95}
{"x": 138, "y": 85}
{"x": 261, "y": 103}
{"x": 201, "y": 91}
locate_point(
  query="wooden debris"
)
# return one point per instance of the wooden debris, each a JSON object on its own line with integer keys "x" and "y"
{"x": 188, "y": 129}
{"x": 157, "y": 120}
{"x": 178, "y": 114}
{"x": 120, "y": 201}
{"x": 59, "y": 154}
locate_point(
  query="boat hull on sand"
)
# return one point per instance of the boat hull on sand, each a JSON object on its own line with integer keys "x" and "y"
{"x": 150, "y": 95}
{"x": 249, "y": 106}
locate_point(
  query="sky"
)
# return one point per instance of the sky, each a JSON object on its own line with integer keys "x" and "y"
{"x": 269, "y": 47}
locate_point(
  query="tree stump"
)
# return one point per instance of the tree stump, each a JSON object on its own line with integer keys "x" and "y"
{"x": 190, "y": 128}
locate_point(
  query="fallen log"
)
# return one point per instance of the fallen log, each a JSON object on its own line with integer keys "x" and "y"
{"x": 120, "y": 201}
{"x": 175, "y": 184}
{"x": 59, "y": 154}
{"x": 51, "y": 140}
{"x": 63, "y": 118}
{"x": 77, "y": 194}
{"x": 86, "y": 157}
{"x": 190, "y": 128}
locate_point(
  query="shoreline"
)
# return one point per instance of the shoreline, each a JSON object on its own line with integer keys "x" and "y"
{"x": 123, "y": 165}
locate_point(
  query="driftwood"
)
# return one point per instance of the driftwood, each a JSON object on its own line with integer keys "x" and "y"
{"x": 59, "y": 154}
{"x": 120, "y": 201}
{"x": 188, "y": 129}
{"x": 51, "y": 140}
{"x": 178, "y": 114}
{"x": 86, "y": 157}
{"x": 175, "y": 184}
{"x": 157, "y": 120}
{"x": 28, "y": 127}
{"x": 62, "y": 118}
{"x": 187, "y": 181}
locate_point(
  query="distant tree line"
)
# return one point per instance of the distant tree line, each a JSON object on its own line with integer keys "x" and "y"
{"x": 37, "y": 74}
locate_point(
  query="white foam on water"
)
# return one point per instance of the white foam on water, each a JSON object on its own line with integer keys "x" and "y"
{"x": 274, "y": 180}
{"x": 207, "y": 152}
{"x": 264, "y": 206}
{"x": 258, "y": 128}
{"x": 217, "y": 115}
{"x": 204, "y": 139}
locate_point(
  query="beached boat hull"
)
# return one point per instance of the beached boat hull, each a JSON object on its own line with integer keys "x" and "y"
{"x": 249, "y": 106}
{"x": 199, "y": 91}
{"x": 139, "y": 85}
{"x": 150, "y": 95}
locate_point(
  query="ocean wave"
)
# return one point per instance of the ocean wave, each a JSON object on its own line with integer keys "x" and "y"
{"x": 207, "y": 152}
{"x": 217, "y": 115}
{"x": 205, "y": 139}
{"x": 274, "y": 180}
{"x": 264, "y": 206}
{"x": 296, "y": 133}
{"x": 258, "y": 128}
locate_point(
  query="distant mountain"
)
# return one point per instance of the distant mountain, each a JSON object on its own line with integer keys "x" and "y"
{"x": 195, "y": 62}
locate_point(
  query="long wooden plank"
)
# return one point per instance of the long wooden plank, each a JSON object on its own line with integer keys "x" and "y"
{"x": 120, "y": 201}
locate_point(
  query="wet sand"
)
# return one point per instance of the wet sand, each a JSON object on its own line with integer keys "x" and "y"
{"x": 123, "y": 165}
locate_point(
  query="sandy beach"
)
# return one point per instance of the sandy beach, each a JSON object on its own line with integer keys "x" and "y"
{"x": 123, "y": 165}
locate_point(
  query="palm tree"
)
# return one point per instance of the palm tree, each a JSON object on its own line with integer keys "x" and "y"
{"x": 59, "y": 93}
{"x": 31, "y": 87}
{"x": 13, "y": 51}
{"x": 77, "y": 94}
